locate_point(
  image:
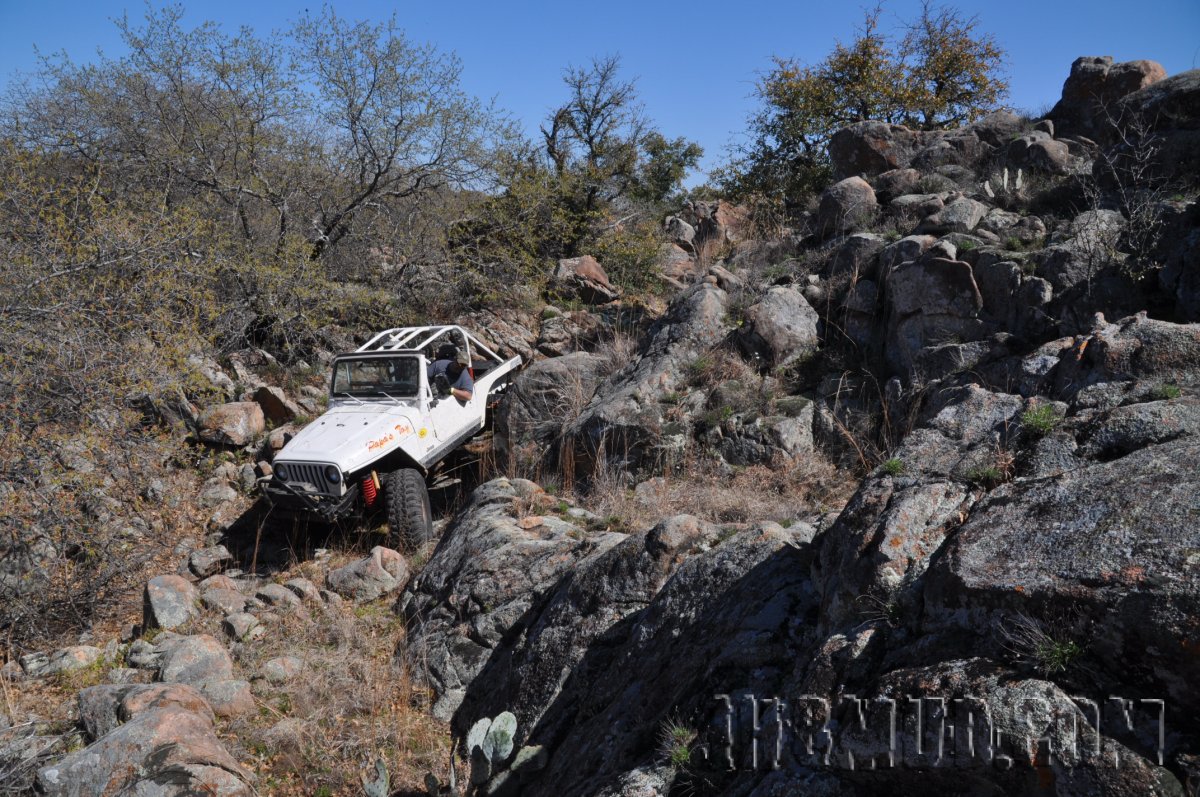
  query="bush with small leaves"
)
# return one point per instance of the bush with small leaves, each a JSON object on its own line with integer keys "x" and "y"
{"x": 893, "y": 467}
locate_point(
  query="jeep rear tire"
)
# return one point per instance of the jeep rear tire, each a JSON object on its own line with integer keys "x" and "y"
{"x": 410, "y": 521}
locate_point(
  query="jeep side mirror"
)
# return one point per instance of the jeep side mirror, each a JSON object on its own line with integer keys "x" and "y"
{"x": 441, "y": 385}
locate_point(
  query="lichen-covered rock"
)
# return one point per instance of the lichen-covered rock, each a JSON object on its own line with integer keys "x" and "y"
{"x": 626, "y": 424}
{"x": 869, "y": 148}
{"x": 166, "y": 751}
{"x": 1111, "y": 546}
{"x": 278, "y": 596}
{"x": 228, "y": 698}
{"x": 242, "y": 626}
{"x": 381, "y": 573}
{"x": 168, "y": 602}
{"x": 541, "y": 400}
{"x": 226, "y": 601}
{"x": 193, "y": 659}
{"x": 961, "y": 215}
{"x": 103, "y": 708}
{"x": 846, "y": 206}
{"x": 276, "y": 406}
{"x": 585, "y": 278}
{"x": 1093, "y": 88}
{"x": 930, "y": 301}
{"x": 282, "y": 669}
{"x": 236, "y": 424}
{"x": 492, "y": 564}
{"x": 781, "y": 326}
{"x": 1136, "y": 348}
{"x": 207, "y": 561}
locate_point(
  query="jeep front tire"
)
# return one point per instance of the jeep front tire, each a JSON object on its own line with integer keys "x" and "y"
{"x": 410, "y": 521}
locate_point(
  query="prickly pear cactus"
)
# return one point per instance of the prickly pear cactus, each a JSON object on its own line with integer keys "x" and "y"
{"x": 380, "y": 784}
{"x": 498, "y": 745}
{"x": 489, "y": 744}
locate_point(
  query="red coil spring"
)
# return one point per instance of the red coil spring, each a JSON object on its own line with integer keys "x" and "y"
{"x": 368, "y": 489}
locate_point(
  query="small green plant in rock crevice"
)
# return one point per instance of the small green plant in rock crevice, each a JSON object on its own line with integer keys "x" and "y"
{"x": 676, "y": 744}
{"x": 1165, "y": 392}
{"x": 1050, "y": 652}
{"x": 1041, "y": 420}
{"x": 892, "y": 467}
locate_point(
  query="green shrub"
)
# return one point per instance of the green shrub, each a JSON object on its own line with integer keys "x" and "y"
{"x": 893, "y": 467}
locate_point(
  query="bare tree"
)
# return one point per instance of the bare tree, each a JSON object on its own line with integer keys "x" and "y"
{"x": 390, "y": 120}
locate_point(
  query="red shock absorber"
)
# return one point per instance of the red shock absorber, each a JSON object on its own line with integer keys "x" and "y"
{"x": 370, "y": 493}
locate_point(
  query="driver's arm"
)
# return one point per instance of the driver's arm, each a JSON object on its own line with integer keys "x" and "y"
{"x": 464, "y": 386}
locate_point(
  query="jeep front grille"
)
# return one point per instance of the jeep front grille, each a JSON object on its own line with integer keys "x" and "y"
{"x": 302, "y": 473}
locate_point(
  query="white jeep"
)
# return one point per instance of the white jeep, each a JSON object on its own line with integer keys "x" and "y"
{"x": 388, "y": 427}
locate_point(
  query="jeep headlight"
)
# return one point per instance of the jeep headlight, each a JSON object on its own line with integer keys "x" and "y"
{"x": 332, "y": 474}
{"x": 281, "y": 472}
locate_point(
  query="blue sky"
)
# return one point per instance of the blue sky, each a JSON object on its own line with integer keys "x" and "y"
{"x": 696, "y": 63}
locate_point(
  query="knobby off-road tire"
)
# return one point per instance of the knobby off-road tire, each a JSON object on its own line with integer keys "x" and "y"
{"x": 410, "y": 521}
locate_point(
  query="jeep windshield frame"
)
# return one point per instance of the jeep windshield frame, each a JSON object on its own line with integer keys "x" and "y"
{"x": 388, "y": 375}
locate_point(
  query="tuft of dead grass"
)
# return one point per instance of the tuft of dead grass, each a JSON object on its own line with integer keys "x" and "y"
{"x": 783, "y": 491}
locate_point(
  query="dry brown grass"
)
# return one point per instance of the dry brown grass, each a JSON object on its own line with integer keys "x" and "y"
{"x": 353, "y": 702}
{"x": 782, "y": 491}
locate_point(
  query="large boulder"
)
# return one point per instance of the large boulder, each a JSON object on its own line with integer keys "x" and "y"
{"x": 505, "y": 330}
{"x": 846, "y": 206}
{"x": 502, "y": 552}
{"x": 717, "y": 221}
{"x": 167, "y": 752}
{"x": 564, "y": 333}
{"x": 856, "y": 256}
{"x": 541, "y": 401}
{"x": 585, "y": 278}
{"x": 1134, "y": 349}
{"x": 929, "y": 301}
{"x": 1038, "y": 151}
{"x": 676, "y": 263}
{"x": 103, "y": 708}
{"x": 1107, "y": 549}
{"x": 276, "y": 406}
{"x": 781, "y": 326}
{"x": 1180, "y": 275}
{"x": 885, "y": 539}
{"x": 866, "y": 149}
{"x": 1170, "y": 110}
{"x": 626, "y": 424}
{"x": 961, "y": 215}
{"x": 236, "y": 424}
{"x": 1091, "y": 92}
{"x": 588, "y": 653}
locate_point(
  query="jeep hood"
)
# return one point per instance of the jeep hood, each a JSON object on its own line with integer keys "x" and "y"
{"x": 352, "y": 436}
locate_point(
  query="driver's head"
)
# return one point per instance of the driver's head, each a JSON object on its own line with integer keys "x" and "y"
{"x": 457, "y": 365}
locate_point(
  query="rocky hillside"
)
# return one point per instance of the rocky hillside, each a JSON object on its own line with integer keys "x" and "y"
{"x": 904, "y": 498}
{"x": 1006, "y": 604}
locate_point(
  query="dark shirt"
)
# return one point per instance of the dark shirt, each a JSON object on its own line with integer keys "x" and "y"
{"x": 464, "y": 380}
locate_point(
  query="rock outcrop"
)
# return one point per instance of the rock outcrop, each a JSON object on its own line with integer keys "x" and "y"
{"x": 491, "y": 566}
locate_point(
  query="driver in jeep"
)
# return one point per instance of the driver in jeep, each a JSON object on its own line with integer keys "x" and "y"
{"x": 451, "y": 365}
